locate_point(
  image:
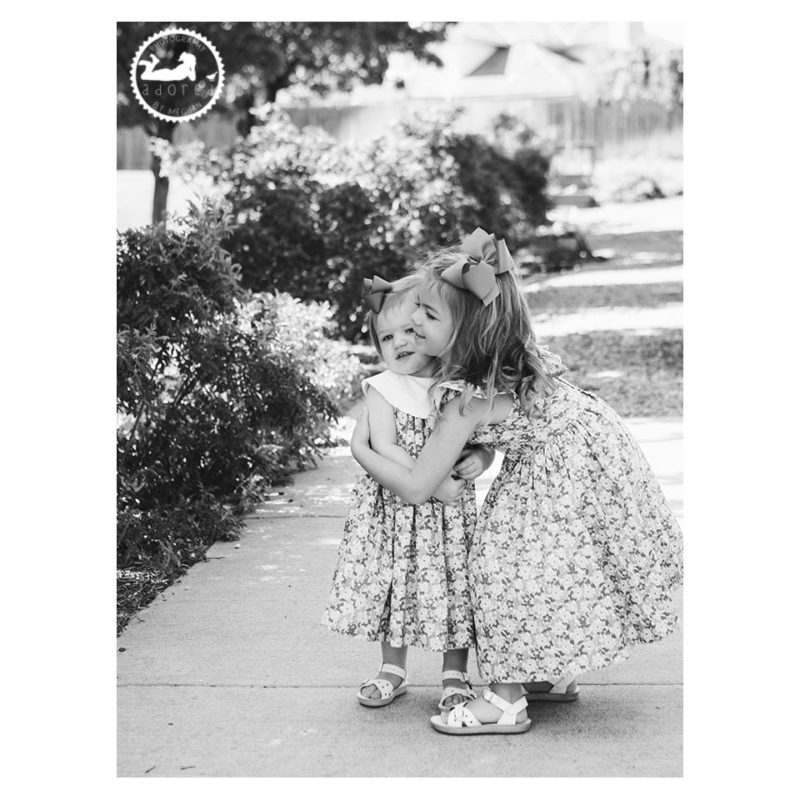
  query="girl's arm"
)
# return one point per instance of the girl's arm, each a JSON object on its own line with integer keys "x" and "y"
{"x": 383, "y": 438}
{"x": 442, "y": 450}
{"x": 383, "y": 431}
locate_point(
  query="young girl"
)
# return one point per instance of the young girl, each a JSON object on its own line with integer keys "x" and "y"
{"x": 401, "y": 576}
{"x": 575, "y": 552}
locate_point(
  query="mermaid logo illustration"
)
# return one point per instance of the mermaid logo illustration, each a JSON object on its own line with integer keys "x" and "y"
{"x": 164, "y": 75}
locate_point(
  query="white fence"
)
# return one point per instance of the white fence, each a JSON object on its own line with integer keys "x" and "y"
{"x": 614, "y": 129}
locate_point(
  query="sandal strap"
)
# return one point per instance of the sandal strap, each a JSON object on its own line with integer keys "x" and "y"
{"x": 562, "y": 686}
{"x": 510, "y": 710}
{"x": 382, "y": 685}
{"x": 455, "y": 675}
{"x": 460, "y": 717}
{"x": 449, "y": 691}
{"x": 394, "y": 670}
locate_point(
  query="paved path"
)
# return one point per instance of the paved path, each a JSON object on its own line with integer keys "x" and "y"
{"x": 597, "y": 276}
{"x": 229, "y": 673}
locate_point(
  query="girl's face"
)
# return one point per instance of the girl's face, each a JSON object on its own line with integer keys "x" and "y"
{"x": 399, "y": 346}
{"x": 433, "y": 322}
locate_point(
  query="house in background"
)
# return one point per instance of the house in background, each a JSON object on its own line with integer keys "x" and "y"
{"x": 548, "y": 74}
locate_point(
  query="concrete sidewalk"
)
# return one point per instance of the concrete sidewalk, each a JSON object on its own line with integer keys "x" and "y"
{"x": 230, "y": 673}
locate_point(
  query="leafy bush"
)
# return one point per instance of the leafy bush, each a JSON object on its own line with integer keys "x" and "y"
{"x": 302, "y": 332}
{"x": 509, "y": 189}
{"x": 220, "y": 393}
{"x": 314, "y": 218}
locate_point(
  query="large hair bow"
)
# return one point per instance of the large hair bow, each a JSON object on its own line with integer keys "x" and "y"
{"x": 482, "y": 258}
{"x": 374, "y": 292}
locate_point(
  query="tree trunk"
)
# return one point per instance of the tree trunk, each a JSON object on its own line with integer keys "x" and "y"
{"x": 246, "y": 120}
{"x": 160, "y": 191}
{"x": 163, "y": 130}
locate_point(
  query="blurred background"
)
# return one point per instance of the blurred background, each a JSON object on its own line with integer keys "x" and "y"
{"x": 607, "y": 97}
{"x": 343, "y": 150}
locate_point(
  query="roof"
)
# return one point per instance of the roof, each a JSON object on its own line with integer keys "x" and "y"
{"x": 507, "y": 59}
{"x": 493, "y": 68}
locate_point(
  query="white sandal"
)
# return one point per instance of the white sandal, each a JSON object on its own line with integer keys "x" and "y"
{"x": 388, "y": 692}
{"x": 565, "y": 691}
{"x": 450, "y": 691}
{"x": 462, "y": 722}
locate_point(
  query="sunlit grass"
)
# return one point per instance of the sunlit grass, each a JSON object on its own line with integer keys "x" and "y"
{"x": 638, "y": 375}
{"x": 555, "y": 300}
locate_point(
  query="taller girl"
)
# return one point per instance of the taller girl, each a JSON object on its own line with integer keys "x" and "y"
{"x": 576, "y": 552}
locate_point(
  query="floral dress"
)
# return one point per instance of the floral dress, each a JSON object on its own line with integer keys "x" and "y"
{"x": 401, "y": 574}
{"x": 576, "y": 552}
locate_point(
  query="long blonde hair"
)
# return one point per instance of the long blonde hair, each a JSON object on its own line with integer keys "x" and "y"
{"x": 492, "y": 348}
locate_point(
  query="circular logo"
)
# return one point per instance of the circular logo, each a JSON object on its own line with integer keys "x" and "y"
{"x": 177, "y": 75}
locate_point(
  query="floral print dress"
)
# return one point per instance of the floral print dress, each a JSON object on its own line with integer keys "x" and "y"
{"x": 576, "y": 552}
{"x": 401, "y": 574}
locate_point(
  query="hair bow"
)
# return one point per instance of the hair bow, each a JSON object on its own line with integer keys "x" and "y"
{"x": 482, "y": 258}
{"x": 374, "y": 292}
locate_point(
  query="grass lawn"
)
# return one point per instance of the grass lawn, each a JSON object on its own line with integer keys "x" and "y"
{"x": 639, "y": 375}
{"x": 555, "y": 300}
{"x": 639, "y": 372}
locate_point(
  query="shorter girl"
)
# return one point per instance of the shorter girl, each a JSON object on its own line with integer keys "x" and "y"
{"x": 401, "y": 576}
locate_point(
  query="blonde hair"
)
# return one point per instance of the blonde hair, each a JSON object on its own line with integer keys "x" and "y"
{"x": 492, "y": 347}
{"x": 400, "y": 289}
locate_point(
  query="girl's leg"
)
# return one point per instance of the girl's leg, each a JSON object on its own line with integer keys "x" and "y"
{"x": 456, "y": 660}
{"x": 391, "y": 655}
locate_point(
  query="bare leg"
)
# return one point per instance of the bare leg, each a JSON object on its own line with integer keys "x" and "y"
{"x": 457, "y": 660}
{"x": 391, "y": 655}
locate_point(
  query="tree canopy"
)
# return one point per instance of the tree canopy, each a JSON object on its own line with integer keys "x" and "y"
{"x": 261, "y": 58}
{"x": 645, "y": 73}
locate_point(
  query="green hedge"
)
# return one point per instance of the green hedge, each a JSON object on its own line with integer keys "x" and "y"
{"x": 221, "y": 393}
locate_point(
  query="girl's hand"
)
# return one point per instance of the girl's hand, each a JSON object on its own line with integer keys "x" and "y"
{"x": 450, "y": 491}
{"x": 435, "y": 462}
{"x": 472, "y": 463}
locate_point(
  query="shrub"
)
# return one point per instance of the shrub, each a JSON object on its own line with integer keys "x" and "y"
{"x": 220, "y": 393}
{"x": 509, "y": 189}
{"x": 169, "y": 277}
{"x": 303, "y": 331}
